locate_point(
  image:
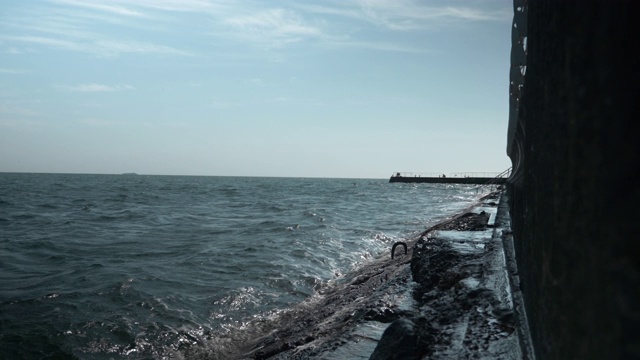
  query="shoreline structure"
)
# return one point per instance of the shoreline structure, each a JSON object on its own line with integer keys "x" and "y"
{"x": 456, "y": 178}
{"x": 450, "y": 296}
{"x": 573, "y": 100}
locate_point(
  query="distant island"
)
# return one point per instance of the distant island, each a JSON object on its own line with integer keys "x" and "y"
{"x": 129, "y": 173}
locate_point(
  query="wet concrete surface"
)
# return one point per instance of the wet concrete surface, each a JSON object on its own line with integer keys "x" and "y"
{"x": 449, "y": 297}
{"x": 464, "y": 290}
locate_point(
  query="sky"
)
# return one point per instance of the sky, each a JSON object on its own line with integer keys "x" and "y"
{"x": 301, "y": 88}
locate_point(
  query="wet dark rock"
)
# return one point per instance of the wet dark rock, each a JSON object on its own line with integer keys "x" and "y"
{"x": 450, "y": 278}
{"x": 399, "y": 341}
{"x": 327, "y": 323}
{"x": 453, "y": 309}
{"x": 430, "y": 269}
{"x": 406, "y": 338}
{"x": 275, "y": 348}
{"x": 383, "y": 315}
{"x": 468, "y": 222}
{"x": 451, "y": 304}
{"x": 479, "y": 293}
{"x": 493, "y": 195}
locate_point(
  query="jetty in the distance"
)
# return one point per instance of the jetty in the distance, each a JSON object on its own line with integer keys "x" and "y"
{"x": 480, "y": 178}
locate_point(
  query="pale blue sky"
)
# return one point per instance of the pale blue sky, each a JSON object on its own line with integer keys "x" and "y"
{"x": 349, "y": 88}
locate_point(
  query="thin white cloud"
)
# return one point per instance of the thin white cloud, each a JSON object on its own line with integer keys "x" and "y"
{"x": 185, "y": 5}
{"x": 340, "y": 9}
{"x": 408, "y": 14}
{"x": 273, "y": 27}
{"x": 119, "y": 47}
{"x": 274, "y": 20}
{"x": 99, "y": 47}
{"x": 91, "y": 88}
{"x": 379, "y": 46}
{"x": 77, "y": 21}
{"x": 46, "y": 41}
{"x": 114, "y": 9}
{"x": 467, "y": 13}
{"x": 72, "y": 27}
{"x": 136, "y": 8}
{"x": 71, "y": 24}
{"x": 49, "y": 27}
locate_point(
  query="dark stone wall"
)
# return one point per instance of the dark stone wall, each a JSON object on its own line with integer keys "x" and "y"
{"x": 575, "y": 199}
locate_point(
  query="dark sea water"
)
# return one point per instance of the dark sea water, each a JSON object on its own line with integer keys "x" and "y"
{"x": 138, "y": 267}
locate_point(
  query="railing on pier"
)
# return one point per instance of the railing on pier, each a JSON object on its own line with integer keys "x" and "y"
{"x": 492, "y": 175}
{"x": 479, "y": 174}
{"x": 504, "y": 174}
{"x": 415, "y": 174}
{"x": 495, "y": 181}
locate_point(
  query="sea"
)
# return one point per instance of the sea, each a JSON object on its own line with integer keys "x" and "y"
{"x": 171, "y": 267}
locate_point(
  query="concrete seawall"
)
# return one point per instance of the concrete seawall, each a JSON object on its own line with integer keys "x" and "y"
{"x": 574, "y": 194}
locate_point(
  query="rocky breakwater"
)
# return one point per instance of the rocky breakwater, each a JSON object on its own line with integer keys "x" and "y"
{"x": 449, "y": 297}
{"x": 464, "y": 307}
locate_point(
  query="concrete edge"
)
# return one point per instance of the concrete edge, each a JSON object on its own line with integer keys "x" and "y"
{"x": 524, "y": 335}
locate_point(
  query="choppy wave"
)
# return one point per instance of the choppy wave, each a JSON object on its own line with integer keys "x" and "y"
{"x": 100, "y": 266}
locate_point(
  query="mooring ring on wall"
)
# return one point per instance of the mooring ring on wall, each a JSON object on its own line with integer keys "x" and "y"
{"x": 393, "y": 249}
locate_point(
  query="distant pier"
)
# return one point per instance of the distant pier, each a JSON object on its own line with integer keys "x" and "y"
{"x": 455, "y": 178}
